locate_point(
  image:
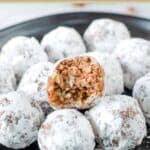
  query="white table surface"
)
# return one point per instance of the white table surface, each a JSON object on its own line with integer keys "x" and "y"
{"x": 12, "y": 13}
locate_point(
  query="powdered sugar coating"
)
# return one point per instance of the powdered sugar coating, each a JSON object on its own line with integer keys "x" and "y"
{"x": 134, "y": 57}
{"x": 34, "y": 83}
{"x": 141, "y": 92}
{"x": 66, "y": 129}
{"x": 20, "y": 119}
{"x": 7, "y": 78}
{"x": 118, "y": 122}
{"x": 113, "y": 73}
{"x": 62, "y": 42}
{"x": 22, "y": 52}
{"x": 104, "y": 34}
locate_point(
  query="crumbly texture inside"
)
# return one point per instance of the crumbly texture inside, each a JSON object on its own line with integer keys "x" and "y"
{"x": 74, "y": 81}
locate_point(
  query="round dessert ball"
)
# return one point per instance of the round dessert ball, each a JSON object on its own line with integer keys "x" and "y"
{"x": 66, "y": 129}
{"x": 134, "y": 57}
{"x": 20, "y": 119}
{"x": 22, "y": 52}
{"x": 141, "y": 92}
{"x": 34, "y": 83}
{"x": 114, "y": 83}
{"x": 75, "y": 82}
{"x": 118, "y": 122}
{"x": 7, "y": 78}
{"x": 104, "y": 34}
{"x": 62, "y": 42}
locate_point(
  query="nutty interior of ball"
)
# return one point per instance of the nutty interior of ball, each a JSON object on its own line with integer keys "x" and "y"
{"x": 74, "y": 81}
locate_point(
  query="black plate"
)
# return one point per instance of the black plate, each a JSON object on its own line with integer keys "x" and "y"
{"x": 139, "y": 27}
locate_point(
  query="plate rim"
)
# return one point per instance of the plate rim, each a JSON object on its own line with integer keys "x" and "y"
{"x": 73, "y": 13}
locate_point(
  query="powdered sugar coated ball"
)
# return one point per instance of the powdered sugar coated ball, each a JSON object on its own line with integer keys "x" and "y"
{"x": 114, "y": 83}
{"x": 7, "y": 78}
{"x": 66, "y": 129}
{"x": 34, "y": 83}
{"x": 20, "y": 119}
{"x": 141, "y": 92}
{"x": 118, "y": 122}
{"x": 134, "y": 57}
{"x": 104, "y": 34}
{"x": 22, "y": 52}
{"x": 63, "y": 42}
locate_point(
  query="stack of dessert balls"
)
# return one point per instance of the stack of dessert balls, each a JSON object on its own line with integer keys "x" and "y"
{"x": 66, "y": 91}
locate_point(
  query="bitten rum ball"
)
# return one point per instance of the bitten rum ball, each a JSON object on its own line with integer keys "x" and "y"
{"x": 75, "y": 82}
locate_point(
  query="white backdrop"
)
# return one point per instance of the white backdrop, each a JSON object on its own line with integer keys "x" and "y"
{"x": 12, "y": 13}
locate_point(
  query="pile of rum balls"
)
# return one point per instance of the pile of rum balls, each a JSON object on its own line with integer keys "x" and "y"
{"x": 66, "y": 91}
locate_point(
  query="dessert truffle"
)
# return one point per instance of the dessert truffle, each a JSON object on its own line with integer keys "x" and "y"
{"x": 104, "y": 34}
{"x": 34, "y": 83}
{"x": 141, "y": 92}
{"x": 22, "y": 52}
{"x": 134, "y": 57}
{"x": 7, "y": 78}
{"x": 20, "y": 119}
{"x": 114, "y": 83}
{"x": 62, "y": 42}
{"x": 118, "y": 122}
{"x": 66, "y": 129}
{"x": 75, "y": 82}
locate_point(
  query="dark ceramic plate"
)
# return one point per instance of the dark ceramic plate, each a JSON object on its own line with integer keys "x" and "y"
{"x": 139, "y": 27}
